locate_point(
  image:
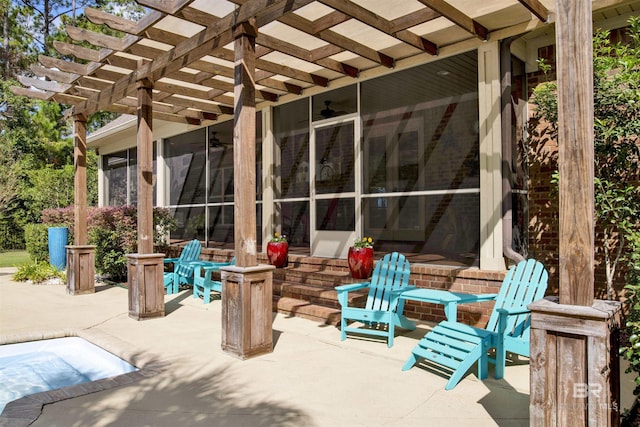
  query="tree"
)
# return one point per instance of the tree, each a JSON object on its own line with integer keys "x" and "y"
{"x": 9, "y": 182}
{"x": 36, "y": 146}
{"x": 616, "y": 68}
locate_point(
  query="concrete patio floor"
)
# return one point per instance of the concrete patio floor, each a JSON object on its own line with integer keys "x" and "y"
{"x": 311, "y": 378}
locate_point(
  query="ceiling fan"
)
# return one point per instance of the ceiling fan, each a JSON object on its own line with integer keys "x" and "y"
{"x": 327, "y": 112}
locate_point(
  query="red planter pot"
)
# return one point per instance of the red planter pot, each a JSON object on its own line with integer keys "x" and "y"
{"x": 360, "y": 262}
{"x": 277, "y": 253}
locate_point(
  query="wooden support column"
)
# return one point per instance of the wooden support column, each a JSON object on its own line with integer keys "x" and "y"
{"x": 574, "y": 341}
{"x": 247, "y": 287}
{"x": 244, "y": 145}
{"x": 80, "y": 256}
{"x": 145, "y": 167}
{"x": 145, "y": 269}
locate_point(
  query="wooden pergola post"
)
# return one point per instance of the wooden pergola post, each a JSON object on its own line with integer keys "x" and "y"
{"x": 246, "y": 287}
{"x": 145, "y": 270}
{"x": 80, "y": 256}
{"x": 574, "y": 360}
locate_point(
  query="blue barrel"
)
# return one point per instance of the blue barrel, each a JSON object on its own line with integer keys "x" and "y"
{"x": 57, "y": 241}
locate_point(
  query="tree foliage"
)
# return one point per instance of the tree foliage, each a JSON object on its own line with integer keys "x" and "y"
{"x": 36, "y": 146}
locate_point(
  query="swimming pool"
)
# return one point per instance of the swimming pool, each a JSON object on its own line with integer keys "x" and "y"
{"x": 36, "y": 366}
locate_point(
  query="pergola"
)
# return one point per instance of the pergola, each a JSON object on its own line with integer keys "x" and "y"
{"x": 192, "y": 61}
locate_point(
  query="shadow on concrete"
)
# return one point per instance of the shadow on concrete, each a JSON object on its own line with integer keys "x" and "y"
{"x": 176, "y": 303}
{"x": 516, "y": 413}
{"x": 199, "y": 397}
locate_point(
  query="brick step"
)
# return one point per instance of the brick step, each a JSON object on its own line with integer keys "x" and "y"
{"x": 306, "y": 310}
{"x": 313, "y": 275}
{"x": 316, "y": 294}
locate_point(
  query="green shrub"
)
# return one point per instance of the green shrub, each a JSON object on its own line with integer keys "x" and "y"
{"x": 114, "y": 232}
{"x": 36, "y": 240}
{"x": 37, "y": 272}
{"x": 631, "y": 349}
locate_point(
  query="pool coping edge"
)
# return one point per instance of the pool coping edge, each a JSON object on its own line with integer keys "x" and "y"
{"x": 24, "y": 411}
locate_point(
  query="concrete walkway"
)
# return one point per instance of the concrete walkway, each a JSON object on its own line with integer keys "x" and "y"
{"x": 311, "y": 378}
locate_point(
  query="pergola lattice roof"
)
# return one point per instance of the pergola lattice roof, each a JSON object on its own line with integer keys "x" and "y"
{"x": 185, "y": 47}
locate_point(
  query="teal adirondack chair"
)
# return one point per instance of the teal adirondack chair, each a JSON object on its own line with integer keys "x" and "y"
{"x": 458, "y": 346}
{"x": 203, "y": 285}
{"x": 383, "y": 310}
{"x": 182, "y": 267}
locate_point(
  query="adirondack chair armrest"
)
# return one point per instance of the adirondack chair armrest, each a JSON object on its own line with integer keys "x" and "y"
{"x": 210, "y": 267}
{"x": 352, "y": 287}
{"x": 170, "y": 260}
{"x": 485, "y": 297}
{"x": 503, "y": 313}
{"x": 395, "y": 294}
{"x": 513, "y": 311}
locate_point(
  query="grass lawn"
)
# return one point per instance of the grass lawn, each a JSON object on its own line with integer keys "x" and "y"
{"x": 13, "y": 258}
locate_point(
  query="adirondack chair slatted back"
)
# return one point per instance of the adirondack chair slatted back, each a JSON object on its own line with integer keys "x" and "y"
{"x": 391, "y": 273}
{"x": 525, "y": 283}
{"x": 191, "y": 252}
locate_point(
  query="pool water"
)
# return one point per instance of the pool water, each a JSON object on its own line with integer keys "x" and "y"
{"x": 37, "y": 366}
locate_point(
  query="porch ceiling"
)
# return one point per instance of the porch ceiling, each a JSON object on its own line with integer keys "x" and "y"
{"x": 186, "y": 48}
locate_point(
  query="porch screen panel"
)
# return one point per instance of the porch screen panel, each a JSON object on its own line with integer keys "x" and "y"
{"x": 291, "y": 123}
{"x": 294, "y": 221}
{"x": 334, "y": 159}
{"x": 220, "y": 148}
{"x": 221, "y": 224}
{"x": 190, "y": 223}
{"x": 133, "y": 176}
{"x": 421, "y": 158}
{"x": 121, "y": 175}
{"x": 290, "y": 178}
{"x": 444, "y": 226}
{"x": 115, "y": 172}
{"x": 186, "y": 159}
{"x": 335, "y": 214}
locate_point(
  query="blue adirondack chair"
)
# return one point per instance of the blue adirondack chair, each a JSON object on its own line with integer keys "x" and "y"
{"x": 383, "y": 310}
{"x": 458, "y": 346}
{"x": 182, "y": 267}
{"x": 203, "y": 285}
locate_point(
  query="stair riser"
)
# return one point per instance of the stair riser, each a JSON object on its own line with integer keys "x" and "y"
{"x": 316, "y": 295}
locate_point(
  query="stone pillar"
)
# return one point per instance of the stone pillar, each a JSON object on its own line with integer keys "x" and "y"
{"x": 575, "y": 372}
{"x": 80, "y": 256}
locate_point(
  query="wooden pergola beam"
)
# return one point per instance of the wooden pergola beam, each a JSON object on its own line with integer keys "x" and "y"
{"x": 68, "y": 66}
{"x": 59, "y": 76}
{"x": 197, "y": 46}
{"x": 46, "y": 85}
{"x": 365, "y": 16}
{"x": 81, "y": 52}
{"x": 30, "y": 93}
{"x": 217, "y": 69}
{"x": 306, "y": 26}
{"x": 170, "y": 7}
{"x": 101, "y": 40}
{"x": 457, "y": 17}
{"x": 537, "y": 8}
{"x": 121, "y": 24}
